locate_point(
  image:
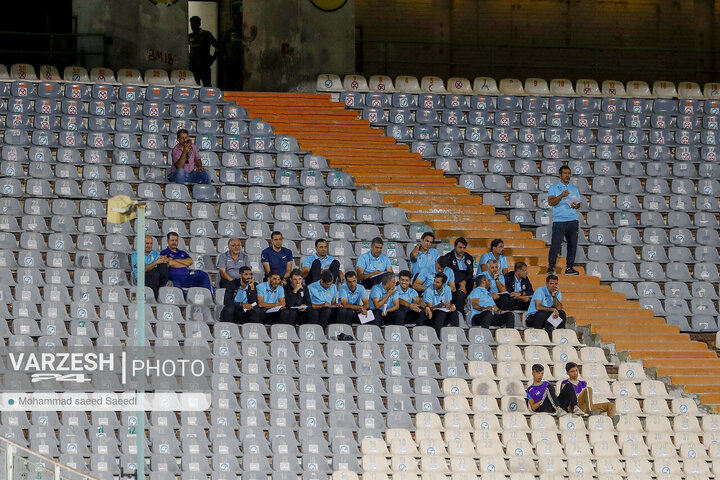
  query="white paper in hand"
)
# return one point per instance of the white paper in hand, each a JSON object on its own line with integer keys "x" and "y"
{"x": 299, "y": 307}
{"x": 274, "y": 309}
{"x": 369, "y": 317}
{"x": 442, "y": 309}
{"x": 572, "y": 200}
{"x": 555, "y": 320}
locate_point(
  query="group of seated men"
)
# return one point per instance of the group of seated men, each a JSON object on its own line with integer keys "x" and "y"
{"x": 433, "y": 292}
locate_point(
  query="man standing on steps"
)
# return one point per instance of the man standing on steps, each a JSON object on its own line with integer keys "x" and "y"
{"x": 564, "y": 199}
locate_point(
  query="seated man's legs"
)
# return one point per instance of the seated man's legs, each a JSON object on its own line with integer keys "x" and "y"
{"x": 482, "y": 319}
{"x": 458, "y": 299}
{"x": 506, "y": 320}
{"x": 228, "y": 311}
{"x": 504, "y": 302}
{"x": 157, "y": 278}
{"x": 346, "y": 316}
{"x": 282, "y": 317}
{"x": 567, "y": 399}
{"x": 520, "y": 305}
{"x": 229, "y": 284}
{"x": 406, "y": 316}
{"x": 391, "y": 318}
{"x": 586, "y": 404}
{"x": 441, "y": 319}
{"x": 198, "y": 278}
{"x": 198, "y": 177}
{"x": 539, "y": 320}
{"x": 371, "y": 282}
{"x": 321, "y": 316}
{"x": 178, "y": 176}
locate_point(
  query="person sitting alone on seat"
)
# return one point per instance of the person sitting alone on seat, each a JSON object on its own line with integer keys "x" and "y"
{"x": 354, "y": 300}
{"x": 585, "y": 395}
{"x": 519, "y": 287}
{"x": 412, "y": 308}
{"x": 229, "y": 263}
{"x": 323, "y": 296}
{"x": 242, "y": 300}
{"x": 438, "y": 305}
{"x": 313, "y": 265}
{"x": 178, "y": 263}
{"x": 385, "y": 300}
{"x": 544, "y": 304}
{"x": 186, "y": 162}
{"x": 271, "y": 302}
{"x": 156, "y": 267}
{"x": 371, "y": 265}
{"x": 483, "y": 310}
{"x": 541, "y": 396}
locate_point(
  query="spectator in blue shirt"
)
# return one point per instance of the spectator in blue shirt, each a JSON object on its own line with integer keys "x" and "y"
{"x": 385, "y": 300}
{"x": 313, "y": 265}
{"x": 277, "y": 258}
{"x": 354, "y": 300}
{"x": 271, "y": 295}
{"x": 156, "y": 267}
{"x": 424, "y": 255}
{"x": 426, "y": 278}
{"x": 564, "y": 199}
{"x": 438, "y": 305}
{"x": 546, "y": 302}
{"x": 371, "y": 265}
{"x": 497, "y": 248}
{"x": 243, "y": 300}
{"x": 412, "y": 308}
{"x": 483, "y": 310}
{"x": 497, "y": 285}
{"x": 323, "y": 296}
{"x": 178, "y": 263}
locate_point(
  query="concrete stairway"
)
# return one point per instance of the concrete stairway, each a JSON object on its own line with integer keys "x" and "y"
{"x": 405, "y": 180}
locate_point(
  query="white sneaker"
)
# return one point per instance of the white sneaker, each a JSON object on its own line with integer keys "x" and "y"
{"x": 578, "y": 411}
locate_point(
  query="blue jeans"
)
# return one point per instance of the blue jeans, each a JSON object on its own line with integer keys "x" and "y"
{"x": 196, "y": 278}
{"x": 180, "y": 176}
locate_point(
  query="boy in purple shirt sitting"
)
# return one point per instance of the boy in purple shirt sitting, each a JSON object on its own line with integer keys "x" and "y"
{"x": 585, "y": 395}
{"x": 186, "y": 162}
{"x": 541, "y": 395}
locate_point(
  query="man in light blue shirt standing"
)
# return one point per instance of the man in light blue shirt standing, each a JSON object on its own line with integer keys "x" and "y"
{"x": 546, "y": 303}
{"x": 564, "y": 199}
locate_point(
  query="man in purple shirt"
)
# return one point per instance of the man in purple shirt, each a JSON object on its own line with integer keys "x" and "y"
{"x": 186, "y": 161}
{"x": 541, "y": 395}
{"x": 585, "y": 395}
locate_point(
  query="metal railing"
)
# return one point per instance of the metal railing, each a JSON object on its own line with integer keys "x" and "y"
{"x": 57, "y": 49}
{"x": 448, "y": 59}
{"x": 17, "y": 461}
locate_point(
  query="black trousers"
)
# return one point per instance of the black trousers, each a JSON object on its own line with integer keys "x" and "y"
{"x": 230, "y": 287}
{"x": 504, "y": 302}
{"x": 569, "y": 232}
{"x": 486, "y": 319}
{"x": 346, "y": 316}
{"x": 390, "y": 318}
{"x": 458, "y": 299}
{"x": 234, "y": 312}
{"x": 567, "y": 400}
{"x": 406, "y": 316}
{"x": 315, "y": 270}
{"x": 371, "y": 282}
{"x": 520, "y": 305}
{"x": 539, "y": 320}
{"x": 442, "y": 319}
{"x": 282, "y": 317}
{"x": 321, "y": 316}
{"x": 157, "y": 278}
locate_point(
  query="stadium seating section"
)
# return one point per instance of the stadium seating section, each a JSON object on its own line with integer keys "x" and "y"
{"x": 293, "y": 403}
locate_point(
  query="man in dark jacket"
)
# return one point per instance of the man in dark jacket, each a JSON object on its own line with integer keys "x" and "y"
{"x": 297, "y": 298}
{"x": 519, "y": 287}
{"x": 461, "y": 263}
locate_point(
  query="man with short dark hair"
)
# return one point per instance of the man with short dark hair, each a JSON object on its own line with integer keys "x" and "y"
{"x": 297, "y": 298}
{"x": 412, "y": 308}
{"x": 229, "y": 263}
{"x": 424, "y": 255}
{"x": 564, "y": 198}
{"x": 270, "y": 298}
{"x": 426, "y": 278}
{"x": 242, "y": 301}
{"x": 545, "y": 304}
{"x": 438, "y": 305}
{"x": 320, "y": 261}
{"x": 156, "y": 267}
{"x": 541, "y": 395}
{"x": 354, "y": 300}
{"x": 385, "y": 300}
{"x": 187, "y": 164}
{"x": 462, "y": 264}
{"x": 497, "y": 285}
{"x": 277, "y": 258}
{"x": 200, "y": 59}
{"x": 519, "y": 287}
{"x": 323, "y": 296}
{"x": 584, "y": 395}
{"x": 371, "y": 265}
{"x": 497, "y": 248}
{"x": 483, "y": 310}
{"x": 178, "y": 263}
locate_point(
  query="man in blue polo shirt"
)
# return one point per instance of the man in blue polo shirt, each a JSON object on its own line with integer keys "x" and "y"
{"x": 314, "y": 264}
{"x": 564, "y": 199}
{"x": 277, "y": 258}
{"x": 178, "y": 263}
{"x": 156, "y": 267}
{"x": 271, "y": 296}
{"x": 544, "y": 304}
{"x": 385, "y": 300}
{"x": 371, "y": 265}
{"x": 483, "y": 311}
{"x": 412, "y": 307}
{"x": 497, "y": 285}
{"x": 497, "y": 248}
{"x": 438, "y": 304}
{"x": 354, "y": 300}
{"x": 323, "y": 297}
{"x": 424, "y": 255}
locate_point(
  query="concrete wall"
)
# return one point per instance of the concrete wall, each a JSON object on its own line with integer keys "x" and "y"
{"x": 295, "y": 42}
{"x": 476, "y": 28}
{"x": 143, "y": 34}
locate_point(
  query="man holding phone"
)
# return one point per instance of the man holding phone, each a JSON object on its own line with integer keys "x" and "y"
{"x": 186, "y": 162}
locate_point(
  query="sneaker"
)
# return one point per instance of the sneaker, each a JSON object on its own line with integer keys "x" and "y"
{"x": 560, "y": 412}
{"x": 616, "y": 420}
{"x": 595, "y": 412}
{"x": 578, "y": 411}
{"x": 169, "y": 284}
{"x": 550, "y": 271}
{"x": 571, "y": 271}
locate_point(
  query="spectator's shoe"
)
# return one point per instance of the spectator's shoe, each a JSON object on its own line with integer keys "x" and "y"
{"x": 571, "y": 271}
{"x": 169, "y": 284}
{"x": 578, "y": 411}
{"x": 595, "y": 412}
{"x": 616, "y": 420}
{"x": 560, "y": 412}
{"x": 550, "y": 271}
